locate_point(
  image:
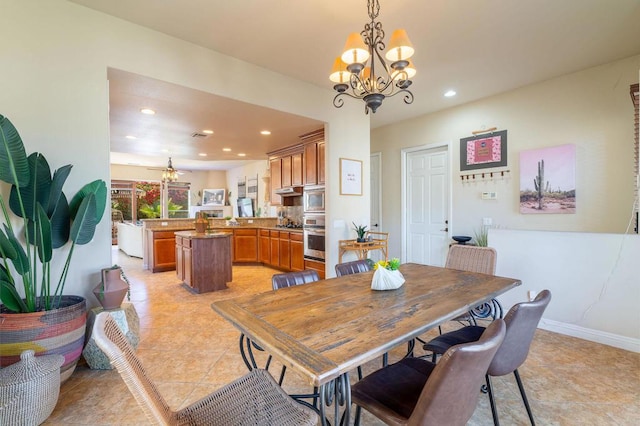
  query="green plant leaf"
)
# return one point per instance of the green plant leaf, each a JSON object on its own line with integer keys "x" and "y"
{"x": 59, "y": 178}
{"x": 36, "y": 191}
{"x": 99, "y": 189}
{"x": 7, "y": 251}
{"x": 60, "y": 222}
{"x": 13, "y": 154}
{"x": 43, "y": 236}
{"x": 20, "y": 262}
{"x": 10, "y": 297}
{"x": 84, "y": 225}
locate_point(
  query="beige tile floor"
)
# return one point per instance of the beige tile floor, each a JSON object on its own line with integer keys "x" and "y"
{"x": 190, "y": 351}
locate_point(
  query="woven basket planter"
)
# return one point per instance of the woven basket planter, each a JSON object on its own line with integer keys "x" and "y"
{"x": 58, "y": 331}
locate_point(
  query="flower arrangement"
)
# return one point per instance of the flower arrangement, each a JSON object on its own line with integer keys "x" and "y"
{"x": 391, "y": 265}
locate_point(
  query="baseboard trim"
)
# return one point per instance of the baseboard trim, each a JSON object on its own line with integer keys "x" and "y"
{"x": 610, "y": 339}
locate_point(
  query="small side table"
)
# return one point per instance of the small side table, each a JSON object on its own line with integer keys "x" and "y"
{"x": 127, "y": 319}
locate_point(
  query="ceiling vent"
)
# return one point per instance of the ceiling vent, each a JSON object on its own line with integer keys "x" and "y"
{"x": 198, "y": 135}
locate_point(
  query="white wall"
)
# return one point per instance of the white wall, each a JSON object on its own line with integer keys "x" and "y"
{"x": 594, "y": 280}
{"x": 591, "y": 109}
{"x": 54, "y": 59}
{"x": 257, "y": 168}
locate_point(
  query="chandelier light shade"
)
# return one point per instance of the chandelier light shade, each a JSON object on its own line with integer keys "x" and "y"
{"x": 169, "y": 174}
{"x": 362, "y": 72}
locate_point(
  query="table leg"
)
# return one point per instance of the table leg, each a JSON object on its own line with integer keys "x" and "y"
{"x": 336, "y": 393}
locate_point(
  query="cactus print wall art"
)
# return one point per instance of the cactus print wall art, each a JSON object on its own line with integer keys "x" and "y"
{"x": 548, "y": 180}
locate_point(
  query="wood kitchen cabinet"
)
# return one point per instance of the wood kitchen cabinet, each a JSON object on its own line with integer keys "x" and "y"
{"x": 274, "y": 243}
{"x": 285, "y": 255}
{"x": 285, "y": 175}
{"x": 296, "y": 251}
{"x": 296, "y": 169}
{"x": 162, "y": 250}
{"x": 204, "y": 260}
{"x": 314, "y": 160}
{"x": 245, "y": 245}
{"x": 264, "y": 246}
{"x": 275, "y": 169}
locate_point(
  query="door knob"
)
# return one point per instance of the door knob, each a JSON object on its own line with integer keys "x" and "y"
{"x": 445, "y": 229}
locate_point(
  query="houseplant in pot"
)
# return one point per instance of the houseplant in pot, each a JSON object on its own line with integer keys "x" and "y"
{"x": 35, "y": 313}
{"x": 361, "y": 230}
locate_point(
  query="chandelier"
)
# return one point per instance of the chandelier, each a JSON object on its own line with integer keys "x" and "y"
{"x": 169, "y": 174}
{"x": 362, "y": 73}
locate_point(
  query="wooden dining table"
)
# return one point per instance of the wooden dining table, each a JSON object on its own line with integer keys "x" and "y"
{"x": 326, "y": 329}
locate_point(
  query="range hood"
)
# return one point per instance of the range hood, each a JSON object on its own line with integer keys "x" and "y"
{"x": 291, "y": 191}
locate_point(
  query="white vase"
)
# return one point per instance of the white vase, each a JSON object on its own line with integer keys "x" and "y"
{"x": 384, "y": 279}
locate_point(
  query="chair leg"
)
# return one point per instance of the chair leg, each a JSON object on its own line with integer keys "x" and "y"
{"x": 356, "y": 418}
{"x": 492, "y": 401}
{"x": 284, "y": 370}
{"x": 524, "y": 396}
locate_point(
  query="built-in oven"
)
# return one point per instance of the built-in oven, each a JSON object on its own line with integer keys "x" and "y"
{"x": 313, "y": 199}
{"x": 313, "y": 233}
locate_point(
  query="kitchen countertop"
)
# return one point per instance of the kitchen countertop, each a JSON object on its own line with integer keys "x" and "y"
{"x": 194, "y": 234}
{"x": 230, "y": 227}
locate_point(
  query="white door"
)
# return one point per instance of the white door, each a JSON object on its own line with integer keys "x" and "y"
{"x": 426, "y": 175}
{"x": 376, "y": 205}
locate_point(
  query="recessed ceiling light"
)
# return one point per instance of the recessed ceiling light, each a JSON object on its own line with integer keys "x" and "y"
{"x": 147, "y": 111}
{"x": 226, "y": 149}
{"x": 202, "y": 154}
{"x": 265, "y": 132}
{"x": 207, "y": 132}
{"x": 130, "y": 137}
{"x": 165, "y": 150}
{"x": 450, "y": 93}
{"x": 242, "y": 154}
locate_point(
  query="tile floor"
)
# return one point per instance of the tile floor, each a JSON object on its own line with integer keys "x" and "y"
{"x": 190, "y": 351}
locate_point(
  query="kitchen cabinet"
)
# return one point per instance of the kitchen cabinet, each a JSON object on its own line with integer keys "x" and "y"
{"x": 285, "y": 255}
{"x": 204, "y": 260}
{"x": 275, "y": 169}
{"x": 274, "y": 243}
{"x": 315, "y": 265}
{"x": 296, "y": 169}
{"x": 264, "y": 246}
{"x": 321, "y": 163}
{"x": 285, "y": 175}
{"x": 314, "y": 161}
{"x": 245, "y": 245}
{"x": 296, "y": 251}
{"x": 161, "y": 247}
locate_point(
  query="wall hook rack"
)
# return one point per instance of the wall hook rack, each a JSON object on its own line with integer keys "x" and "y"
{"x": 476, "y": 177}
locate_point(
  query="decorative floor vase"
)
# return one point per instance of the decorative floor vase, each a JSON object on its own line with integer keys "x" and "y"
{"x": 58, "y": 331}
{"x": 111, "y": 291}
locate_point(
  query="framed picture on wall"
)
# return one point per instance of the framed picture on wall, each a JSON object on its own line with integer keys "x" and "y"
{"x": 350, "y": 177}
{"x": 213, "y": 197}
{"x": 484, "y": 151}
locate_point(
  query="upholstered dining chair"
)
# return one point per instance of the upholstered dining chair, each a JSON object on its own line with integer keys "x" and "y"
{"x": 522, "y": 321}
{"x": 418, "y": 392}
{"x": 254, "y": 399}
{"x": 354, "y": 267}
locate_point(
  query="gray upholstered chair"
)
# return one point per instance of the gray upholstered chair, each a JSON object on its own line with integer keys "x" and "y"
{"x": 355, "y": 267}
{"x": 291, "y": 279}
{"x": 252, "y": 399}
{"x": 522, "y": 321}
{"x": 418, "y": 392}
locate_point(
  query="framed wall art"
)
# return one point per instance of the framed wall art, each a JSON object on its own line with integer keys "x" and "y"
{"x": 350, "y": 177}
{"x": 484, "y": 151}
{"x": 548, "y": 180}
{"x": 213, "y": 197}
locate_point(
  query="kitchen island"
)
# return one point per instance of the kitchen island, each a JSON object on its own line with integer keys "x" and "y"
{"x": 203, "y": 260}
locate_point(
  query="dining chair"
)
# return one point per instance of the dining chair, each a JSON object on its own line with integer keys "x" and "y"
{"x": 475, "y": 259}
{"x": 419, "y": 392}
{"x": 521, "y": 321}
{"x": 254, "y": 399}
{"x": 354, "y": 267}
{"x": 291, "y": 279}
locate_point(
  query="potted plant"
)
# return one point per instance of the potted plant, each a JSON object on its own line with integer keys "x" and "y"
{"x": 361, "y": 230}
{"x": 35, "y": 312}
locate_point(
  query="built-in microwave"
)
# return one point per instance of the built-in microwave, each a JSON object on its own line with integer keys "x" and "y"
{"x": 313, "y": 199}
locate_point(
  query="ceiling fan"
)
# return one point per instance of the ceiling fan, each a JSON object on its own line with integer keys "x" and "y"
{"x": 169, "y": 173}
